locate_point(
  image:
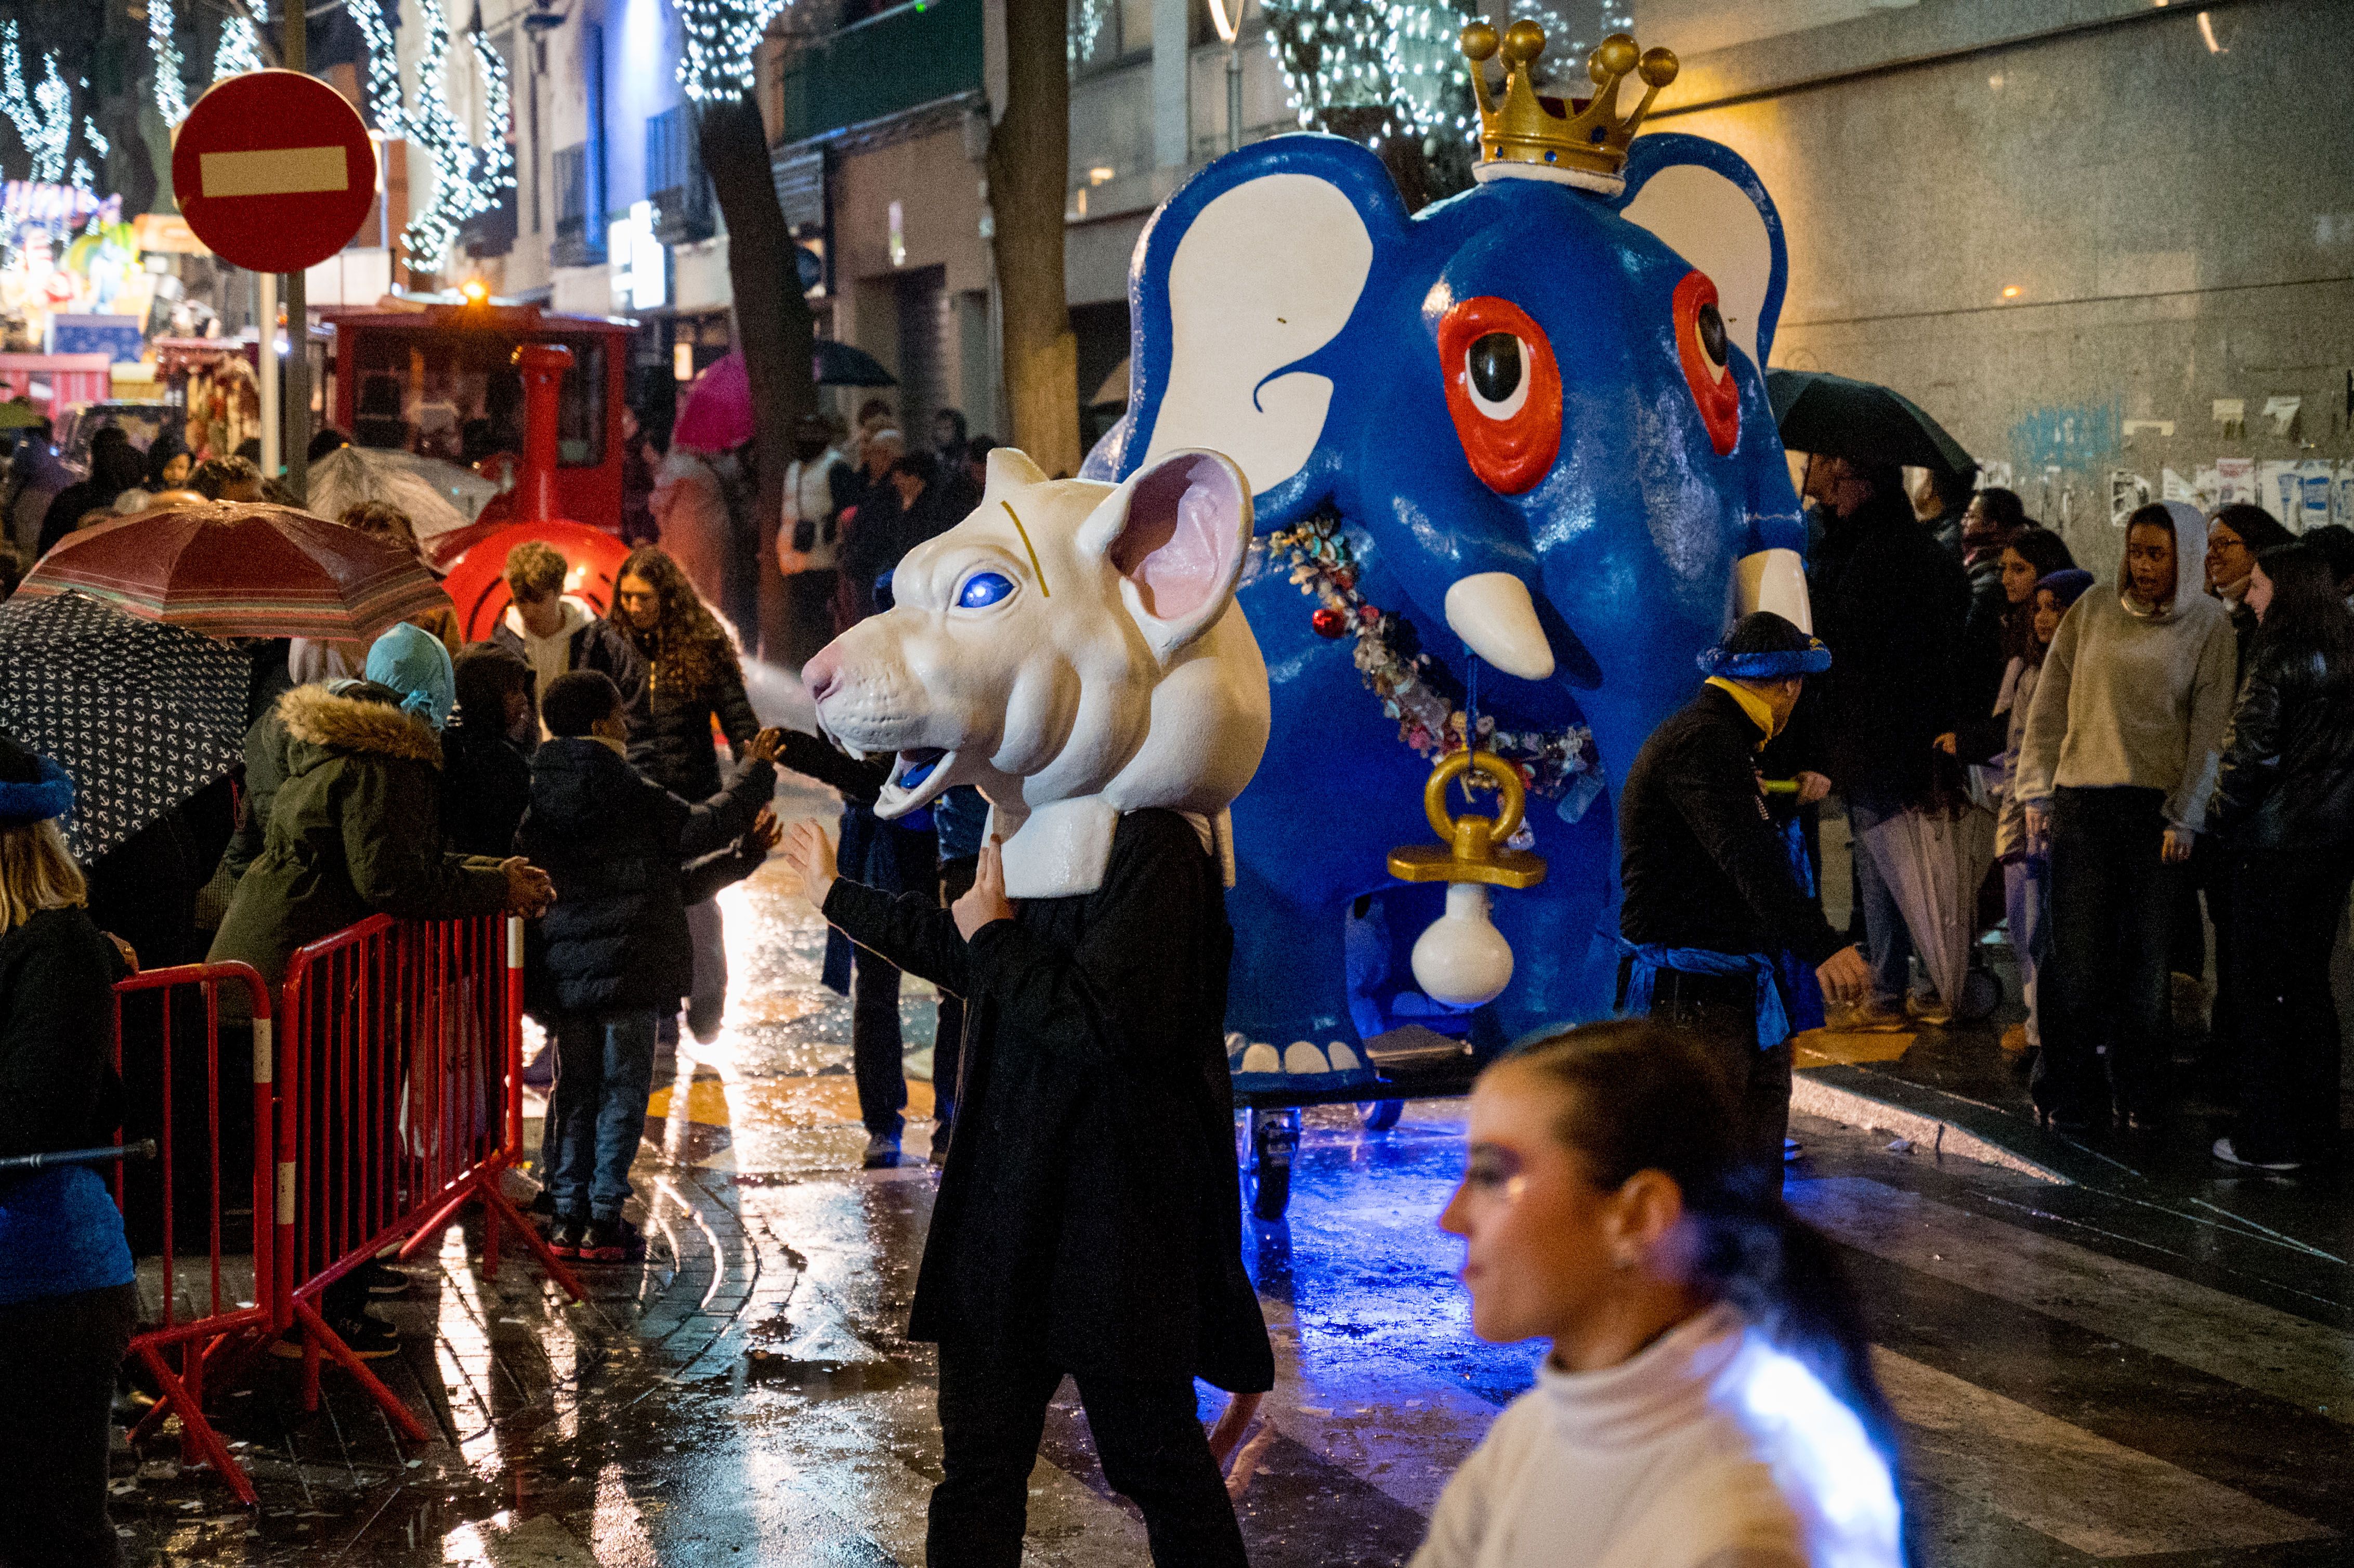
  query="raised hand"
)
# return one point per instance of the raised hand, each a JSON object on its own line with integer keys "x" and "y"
{"x": 809, "y": 853}
{"x": 767, "y": 831}
{"x": 984, "y": 902}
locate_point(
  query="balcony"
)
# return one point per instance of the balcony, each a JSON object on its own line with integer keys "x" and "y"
{"x": 906, "y": 57}
{"x": 579, "y": 207}
{"x": 674, "y": 181}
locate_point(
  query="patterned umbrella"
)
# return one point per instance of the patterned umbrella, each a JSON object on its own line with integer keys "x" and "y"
{"x": 141, "y": 716}
{"x": 231, "y": 569}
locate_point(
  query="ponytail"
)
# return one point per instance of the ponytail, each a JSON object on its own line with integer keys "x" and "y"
{"x": 1644, "y": 1097}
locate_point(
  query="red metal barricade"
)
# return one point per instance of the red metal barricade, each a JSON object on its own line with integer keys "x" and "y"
{"x": 401, "y": 1067}
{"x": 179, "y": 1011}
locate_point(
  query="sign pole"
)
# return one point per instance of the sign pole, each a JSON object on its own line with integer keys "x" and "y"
{"x": 293, "y": 51}
{"x": 265, "y": 367}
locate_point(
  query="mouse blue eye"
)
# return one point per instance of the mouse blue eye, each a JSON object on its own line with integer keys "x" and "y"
{"x": 983, "y": 589}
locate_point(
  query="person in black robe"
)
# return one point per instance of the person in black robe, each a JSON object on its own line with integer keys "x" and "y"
{"x": 1088, "y": 1221}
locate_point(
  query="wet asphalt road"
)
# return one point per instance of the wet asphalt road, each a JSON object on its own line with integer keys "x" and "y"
{"x": 2085, "y": 1372}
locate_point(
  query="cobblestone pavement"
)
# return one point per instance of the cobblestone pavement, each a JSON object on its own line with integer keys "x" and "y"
{"x": 2083, "y": 1374}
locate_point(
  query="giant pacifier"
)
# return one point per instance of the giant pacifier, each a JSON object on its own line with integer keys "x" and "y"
{"x": 1462, "y": 959}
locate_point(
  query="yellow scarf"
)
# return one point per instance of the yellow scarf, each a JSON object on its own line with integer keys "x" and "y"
{"x": 1760, "y": 711}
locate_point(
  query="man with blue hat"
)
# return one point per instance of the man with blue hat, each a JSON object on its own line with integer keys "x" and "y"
{"x": 1712, "y": 896}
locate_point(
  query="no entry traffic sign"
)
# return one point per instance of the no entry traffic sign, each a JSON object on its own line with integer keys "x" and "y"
{"x": 272, "y": 170}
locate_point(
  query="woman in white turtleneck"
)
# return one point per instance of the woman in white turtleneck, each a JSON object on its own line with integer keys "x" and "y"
{"x": 1707, "y": 1402}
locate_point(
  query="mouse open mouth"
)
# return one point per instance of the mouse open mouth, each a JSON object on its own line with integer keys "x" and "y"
{"x": 917, "y": 774}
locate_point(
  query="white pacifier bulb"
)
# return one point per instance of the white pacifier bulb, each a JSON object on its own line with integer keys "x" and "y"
{"x": 1462, "y": 959}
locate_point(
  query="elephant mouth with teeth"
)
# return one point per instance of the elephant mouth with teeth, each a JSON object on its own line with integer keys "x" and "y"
{"x": 1535, "y": 418}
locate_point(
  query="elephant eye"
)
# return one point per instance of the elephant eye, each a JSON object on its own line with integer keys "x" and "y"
{"x": 1706, "y": 355}
{"x": 1503, "y": 391}
{"x": 984, "y": 589}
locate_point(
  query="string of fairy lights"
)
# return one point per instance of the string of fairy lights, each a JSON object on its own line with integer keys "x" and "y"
{"x": 721, "y": 37}
{"x": 1402, "y": 56}
{"x": 469, "y": 177}
{"x": 44, "y": 116}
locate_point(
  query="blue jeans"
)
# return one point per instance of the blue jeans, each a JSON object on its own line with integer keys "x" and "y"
{"x": 604, "y": 1069}
{"x": 1887, "y": 943}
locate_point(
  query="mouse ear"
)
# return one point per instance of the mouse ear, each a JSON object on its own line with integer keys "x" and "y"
{"x": 1176, "y": 532}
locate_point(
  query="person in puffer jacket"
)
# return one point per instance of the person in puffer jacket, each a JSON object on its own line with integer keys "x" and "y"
{"x": 615, "y": 951}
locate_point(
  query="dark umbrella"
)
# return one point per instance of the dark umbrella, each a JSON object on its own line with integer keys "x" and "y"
{"x": 143, "y": 714}
{"x": 1834, "y": 417}
{"x": 838, "y": 364}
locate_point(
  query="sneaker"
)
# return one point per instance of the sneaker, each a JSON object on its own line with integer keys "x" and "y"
{"x": 2229, "y": 1156}
{"x": 382, "y": 1280}
{"x": 882, "y": 1151}
{"x": 612, "y": 1241}
{"x": 564, "y": 1236}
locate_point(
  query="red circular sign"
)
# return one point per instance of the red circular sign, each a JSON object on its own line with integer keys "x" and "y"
{"x": 273, "y": 171}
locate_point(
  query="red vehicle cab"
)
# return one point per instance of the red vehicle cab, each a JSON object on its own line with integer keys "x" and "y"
{"x": 441, "y": 381}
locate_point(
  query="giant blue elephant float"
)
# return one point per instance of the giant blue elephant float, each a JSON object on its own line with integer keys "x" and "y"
{"x": 1512, "y": 455}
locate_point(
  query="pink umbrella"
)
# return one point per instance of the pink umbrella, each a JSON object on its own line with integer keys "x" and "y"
{"x": 718, "y": 413}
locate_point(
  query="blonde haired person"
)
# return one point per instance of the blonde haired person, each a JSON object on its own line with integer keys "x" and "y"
{"x": 1707, "y": 1402}
{"x": 67, "y": 1302}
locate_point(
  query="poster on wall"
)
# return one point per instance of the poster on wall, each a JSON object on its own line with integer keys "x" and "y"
{"x": 2313, "y": 486}
{"x": 2235, "y": 482}
{"x": 2344, "y": 509}
{"x": 2128, "y": 492}
{"x": 2172, "y": 486}
{"x": 2277, "y": 490}
{"x": 1994, "y": 475}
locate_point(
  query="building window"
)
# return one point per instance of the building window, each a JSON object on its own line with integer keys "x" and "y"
{"x": 1106, "y": 32}
{"x": 674, "y": 181}
{"x": 580, "y": 229}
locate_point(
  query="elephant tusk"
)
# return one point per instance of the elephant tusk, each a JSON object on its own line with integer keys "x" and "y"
{"x": 1494, "y": 615}
{"x": 1774, "y": 580}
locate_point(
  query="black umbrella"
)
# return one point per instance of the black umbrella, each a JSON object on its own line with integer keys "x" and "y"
{"x": 142, "y": 715}
{"x": 840, "y": 365}
{"x": 1834, "y": 417}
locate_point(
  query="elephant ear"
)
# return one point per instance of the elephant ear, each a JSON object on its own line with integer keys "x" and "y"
{"x": 1704, "y": 202}
{"x": 1245, "y": 292}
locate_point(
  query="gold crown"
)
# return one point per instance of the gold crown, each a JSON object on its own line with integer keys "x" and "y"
{"x": 1582, "y": 142}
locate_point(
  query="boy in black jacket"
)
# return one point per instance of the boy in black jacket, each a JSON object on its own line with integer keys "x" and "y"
{"x": 623, "y": 852}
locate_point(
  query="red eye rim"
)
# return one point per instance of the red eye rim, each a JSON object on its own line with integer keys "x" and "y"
{"x": 1512, "y": 453}
{"x": 1714, "y": 391}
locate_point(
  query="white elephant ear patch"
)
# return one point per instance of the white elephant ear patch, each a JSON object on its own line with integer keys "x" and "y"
{"x": 1711, "y": 223}
{"x": 1266, "y": 275}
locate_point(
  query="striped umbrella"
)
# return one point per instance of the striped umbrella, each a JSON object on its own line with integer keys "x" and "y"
{"x": 235, "y": 569}
{"x": 141, "y": 716}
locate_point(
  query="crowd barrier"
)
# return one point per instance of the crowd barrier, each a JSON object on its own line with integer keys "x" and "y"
{"x": 403, "y": 1070}
{"x": 170, "y": 1013}
{"x": 385, "y": 1096}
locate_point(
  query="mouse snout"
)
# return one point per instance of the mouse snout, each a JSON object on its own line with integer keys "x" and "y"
{"x": 822, "y": 673}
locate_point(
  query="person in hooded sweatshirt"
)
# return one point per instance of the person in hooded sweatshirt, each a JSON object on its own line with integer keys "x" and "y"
{"x": 555, "y": 635}
{"x": 2114, "y": 774}
{"x": 617, "y": 953}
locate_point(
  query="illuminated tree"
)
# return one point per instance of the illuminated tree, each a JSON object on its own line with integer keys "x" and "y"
{"x": 1386, "y": 73}
{"x": 773, "y": 329}
{"x": 468, "y": 178}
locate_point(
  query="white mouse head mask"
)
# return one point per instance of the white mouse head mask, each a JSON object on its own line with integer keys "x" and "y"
{"x": 1074, "y": 648}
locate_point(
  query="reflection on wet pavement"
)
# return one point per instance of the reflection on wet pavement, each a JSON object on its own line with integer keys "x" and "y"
{"x": 2080, "y": 1377}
